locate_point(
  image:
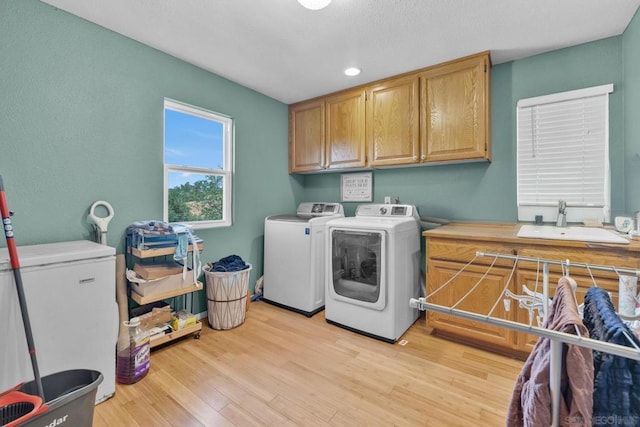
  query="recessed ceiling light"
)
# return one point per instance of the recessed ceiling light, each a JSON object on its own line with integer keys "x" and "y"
{"x": 314, "y": 4}
{"x": 352, "y": 71}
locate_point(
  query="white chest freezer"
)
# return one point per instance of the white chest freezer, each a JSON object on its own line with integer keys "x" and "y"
{"x": 70, "y": 294}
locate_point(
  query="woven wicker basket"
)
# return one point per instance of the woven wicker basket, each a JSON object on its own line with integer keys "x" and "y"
{"x": 227, "y": 298}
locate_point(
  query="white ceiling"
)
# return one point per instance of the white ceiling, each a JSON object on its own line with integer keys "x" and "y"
{"x": 282, "y": 50}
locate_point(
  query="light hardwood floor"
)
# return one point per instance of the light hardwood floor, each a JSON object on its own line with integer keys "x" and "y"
{"x": 281, "y": 368}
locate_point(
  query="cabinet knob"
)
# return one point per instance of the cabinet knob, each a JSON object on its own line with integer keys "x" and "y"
{"x": 423, "y": 157}
{"x": 415, "y": 157}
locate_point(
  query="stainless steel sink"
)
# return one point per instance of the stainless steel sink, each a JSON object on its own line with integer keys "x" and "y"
{"x": 584, "y": 234}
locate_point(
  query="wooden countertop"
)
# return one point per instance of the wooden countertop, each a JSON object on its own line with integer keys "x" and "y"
{"x": 507, "y": 233}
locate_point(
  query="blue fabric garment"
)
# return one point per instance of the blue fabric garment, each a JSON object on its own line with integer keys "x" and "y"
{"x": 616, "y": 393}
{"x": 182, "y": 232}
{"x": 155, "y": 234}
{"x": 229, "y": 263}
{"x": 158, "y": 234}
{"x": 185, "y": 237}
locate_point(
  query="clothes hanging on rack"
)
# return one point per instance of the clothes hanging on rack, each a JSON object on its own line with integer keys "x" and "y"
{"x": 560, "y": 343}
{"x": 531, "y": 401}
{"x": 617, "y": 379}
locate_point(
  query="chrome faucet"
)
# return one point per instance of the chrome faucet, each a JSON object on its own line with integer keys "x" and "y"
{"x": 562, "y": 214}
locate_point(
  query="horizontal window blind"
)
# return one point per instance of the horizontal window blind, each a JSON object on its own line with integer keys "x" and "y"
{"x": 563, "y": 151}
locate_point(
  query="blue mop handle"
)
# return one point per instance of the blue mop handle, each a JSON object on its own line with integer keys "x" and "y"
{"x": 15, "y": 266}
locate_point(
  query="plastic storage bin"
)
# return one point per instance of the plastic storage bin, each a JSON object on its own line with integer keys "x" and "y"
{"x": 70, "y": 396}
{"x": 227, "y": 298}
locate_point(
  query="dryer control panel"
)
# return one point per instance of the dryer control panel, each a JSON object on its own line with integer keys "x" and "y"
{"x": 386, "y": 210}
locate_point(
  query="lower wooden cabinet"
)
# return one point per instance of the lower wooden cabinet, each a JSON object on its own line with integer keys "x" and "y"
{"x": 450, "y": 257}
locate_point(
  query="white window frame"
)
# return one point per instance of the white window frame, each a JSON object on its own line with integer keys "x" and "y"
{"x": 226, "y": 172}
{"x": 576, "y": 211}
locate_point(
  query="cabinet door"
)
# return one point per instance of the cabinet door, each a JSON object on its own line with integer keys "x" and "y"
{"x": 392, "y": 122}
{"x": 533, "y": 280}
{"x": 345, "y": 130}
{"x": 480, "y": 300}
{"x": 306, "y": 136}
{"x": 454, "y": 111}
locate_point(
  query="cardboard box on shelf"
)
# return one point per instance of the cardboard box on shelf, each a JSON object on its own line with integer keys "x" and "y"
{"x": 156, "y": 316}
{"x": 182, "y": 319}
{"x": 156, "y": 271}
{"x": 166, "y": 284}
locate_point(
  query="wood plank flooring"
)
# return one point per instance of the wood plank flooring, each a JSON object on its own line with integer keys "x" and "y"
{"x": 281, "y": 368}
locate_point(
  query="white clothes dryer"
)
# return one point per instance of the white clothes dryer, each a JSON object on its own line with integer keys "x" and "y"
{"x": 373, "y": 270}
{"x": 294, "y": 257}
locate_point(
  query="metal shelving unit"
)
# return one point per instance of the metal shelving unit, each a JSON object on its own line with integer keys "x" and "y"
{"x": 185, "y": 290}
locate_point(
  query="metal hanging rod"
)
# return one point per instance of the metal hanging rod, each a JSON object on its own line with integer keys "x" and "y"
{"x": 563, "y": 337}
{"x": 556, "y": 338}
{"x": 619, "y": 350}
{"x": 577, "y": 264}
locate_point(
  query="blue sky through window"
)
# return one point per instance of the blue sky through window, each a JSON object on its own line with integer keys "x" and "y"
{"x": 191, "y": 141}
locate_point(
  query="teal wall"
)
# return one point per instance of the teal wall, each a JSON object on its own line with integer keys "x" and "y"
{"x": 81, "y": 119}
{"x": 487, "y": 191}
{"x": 631, "y": 70}
{"x": 586, "y": 65}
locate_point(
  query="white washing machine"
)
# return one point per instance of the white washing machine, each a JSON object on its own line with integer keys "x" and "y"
{"x": 294, "y": 254}
{"x": 373, "y": 270}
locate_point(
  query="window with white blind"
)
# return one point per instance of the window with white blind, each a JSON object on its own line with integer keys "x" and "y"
{"x": 563, "y": 154}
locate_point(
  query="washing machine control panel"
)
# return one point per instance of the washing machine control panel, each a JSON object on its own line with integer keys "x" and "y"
{"x": 308, "y": 209}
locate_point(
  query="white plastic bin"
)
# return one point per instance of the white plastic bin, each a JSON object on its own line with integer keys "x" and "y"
{"x": 227, "y": 297}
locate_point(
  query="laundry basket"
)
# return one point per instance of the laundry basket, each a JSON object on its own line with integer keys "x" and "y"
{"x": 227, "y": 297}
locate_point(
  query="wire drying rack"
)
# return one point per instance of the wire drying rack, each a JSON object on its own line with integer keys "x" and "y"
{"x": 557, "y": 339}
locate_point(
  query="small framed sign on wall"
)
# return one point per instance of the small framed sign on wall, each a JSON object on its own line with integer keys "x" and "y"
{"x": 357, "y": 187}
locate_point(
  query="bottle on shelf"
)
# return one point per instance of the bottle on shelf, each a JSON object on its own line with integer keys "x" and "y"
{"x": 133, "y": 353}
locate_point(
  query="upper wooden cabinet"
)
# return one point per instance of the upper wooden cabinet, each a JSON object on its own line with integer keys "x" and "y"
{"x": 436, "y": 114}
{"x": 306, "y": 136}
{"x": 458, "y": 276}
{"x": 454, "y": 111}
{"x": 344, "y": 132}
{"x": 392, "y": 122}
{"x": 328, "y": 133}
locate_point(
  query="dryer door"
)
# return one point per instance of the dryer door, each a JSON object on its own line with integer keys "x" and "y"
{"x": 358, "y": 267}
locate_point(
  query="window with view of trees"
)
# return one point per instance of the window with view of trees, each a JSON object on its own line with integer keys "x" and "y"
{"x": 197, "y": 165}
